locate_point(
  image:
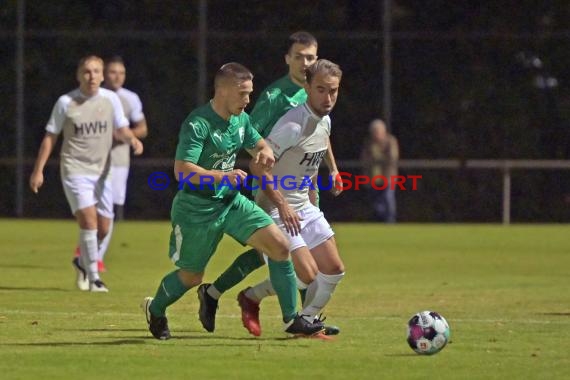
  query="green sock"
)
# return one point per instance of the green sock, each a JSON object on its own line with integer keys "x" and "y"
{"x": 169, "y": 291}
{"x": 303, "y": 293}
{"x": 243, "y": 265}
{"x": 284, "y": 282}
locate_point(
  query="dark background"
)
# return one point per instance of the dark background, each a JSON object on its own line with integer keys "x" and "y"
{"x": 469, "y": 81}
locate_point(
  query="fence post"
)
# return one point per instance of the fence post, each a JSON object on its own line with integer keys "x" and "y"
{"x": 387, "y": 64}
{"x": 506, "y": 195}
{"x": 202, "y": 51}
{"x": 20, "y": 104}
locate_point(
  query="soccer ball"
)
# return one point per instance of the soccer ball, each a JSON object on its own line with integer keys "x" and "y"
{"x": 428, "y": 332}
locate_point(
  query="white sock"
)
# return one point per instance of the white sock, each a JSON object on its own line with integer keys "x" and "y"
{"x": 89, "y": 253}
{"x": 260, "y": 291}
{"x": 213, "y": 292}
{"x": 104, "y": 245}
{"x": 301, "y": 285}
{"x": 319, "y": 293}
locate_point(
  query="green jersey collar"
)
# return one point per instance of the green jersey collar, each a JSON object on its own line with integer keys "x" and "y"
{"x": 218, "y": 122}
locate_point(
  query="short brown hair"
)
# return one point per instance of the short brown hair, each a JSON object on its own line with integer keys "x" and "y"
{"x": 232, "y": 71}
{"x": 87, "y": 58}
{"x": 323, "y": 66}
{"x": 301, "y": 37}
{"x": 115, "y": 59}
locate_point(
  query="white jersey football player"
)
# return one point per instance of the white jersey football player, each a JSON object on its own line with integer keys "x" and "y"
{"x": 299, "y": 141}
{"x": 88, "y": 117}
{"x": 114, "y": 77}
{"x": 115, "y": 74}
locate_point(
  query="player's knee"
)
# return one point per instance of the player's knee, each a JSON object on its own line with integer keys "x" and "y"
{"x": 281, "y": 253}
{"x": 87, "y": 224}
{"x": 280, "y": 249}
{"x": 338, "y": 268}
{"x": 190, "y": 279}
{"x": 334, "y": 268}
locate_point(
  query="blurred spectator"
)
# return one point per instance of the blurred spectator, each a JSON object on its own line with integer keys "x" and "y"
{"x": 379, "y": 157}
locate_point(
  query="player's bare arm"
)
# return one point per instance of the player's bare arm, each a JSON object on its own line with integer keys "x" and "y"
{"x": 333, "y": 170}
{"x": 288, "y": 216}
{"x": 37, "y": 177}
{"x": 262, "y": 154}
{"x": 313, "y": 192}
{"x": 140, "y": 129}
{"x": 127, "y": 136}
{"x": 194, "y": 173}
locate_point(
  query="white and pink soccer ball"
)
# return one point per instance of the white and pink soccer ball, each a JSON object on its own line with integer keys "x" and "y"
{"x": 428, "y": 332}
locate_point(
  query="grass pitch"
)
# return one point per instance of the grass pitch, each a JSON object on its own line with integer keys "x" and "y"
{"x": 504, "y": 290}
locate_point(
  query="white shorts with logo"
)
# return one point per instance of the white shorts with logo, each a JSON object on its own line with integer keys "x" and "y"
{"x": 315, "y": 229}
{"x": 119, "y": 183}
{"x": 85, "y": 191}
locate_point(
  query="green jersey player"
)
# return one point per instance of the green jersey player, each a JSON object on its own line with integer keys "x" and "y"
{"x": 208, "y": 204}
{"x": 277, "y": 99}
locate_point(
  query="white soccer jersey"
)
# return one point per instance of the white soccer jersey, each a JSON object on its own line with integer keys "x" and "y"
{"x": 132, "y": 105}
{"x": 87, "y": 124}
{"x": 299, "y": 141}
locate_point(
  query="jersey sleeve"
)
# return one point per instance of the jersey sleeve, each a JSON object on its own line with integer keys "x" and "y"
{"x": 283, "y": 136}
{"x": 251, "y": 136}
{"x": 191, "y": 141}
{"x": 119, "y": 119}
{"x": 262, "y": 114}
{"x": 58, "y": 114}
{"x": 136, "y": 109}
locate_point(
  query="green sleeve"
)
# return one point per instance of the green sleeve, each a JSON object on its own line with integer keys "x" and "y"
{"x": 262, "y": 115}
{"x": 191, "y": 141}
{"x": 251, "y": 136}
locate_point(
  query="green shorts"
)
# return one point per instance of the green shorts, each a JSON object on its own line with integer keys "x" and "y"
{"x": 192, "y": 245}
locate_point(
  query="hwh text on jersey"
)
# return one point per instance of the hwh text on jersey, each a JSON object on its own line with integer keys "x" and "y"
{"x": 90, "y": 128}
{"x": 313, "y": 158}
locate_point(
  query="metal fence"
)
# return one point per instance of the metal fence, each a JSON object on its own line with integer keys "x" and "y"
{"x": 493, "y": 177}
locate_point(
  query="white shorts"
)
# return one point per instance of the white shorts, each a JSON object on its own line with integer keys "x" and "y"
{"x": 315, "y": 229}
{"x": 85, "y": 191}
{"x": 119, "y": 177}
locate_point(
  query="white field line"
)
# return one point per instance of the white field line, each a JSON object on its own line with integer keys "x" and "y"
{"x": 559, "y": 320}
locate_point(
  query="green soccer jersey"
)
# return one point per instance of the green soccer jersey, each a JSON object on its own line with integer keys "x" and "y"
{"x": 278, "y": 98}
{"x": 212, "y": 143}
